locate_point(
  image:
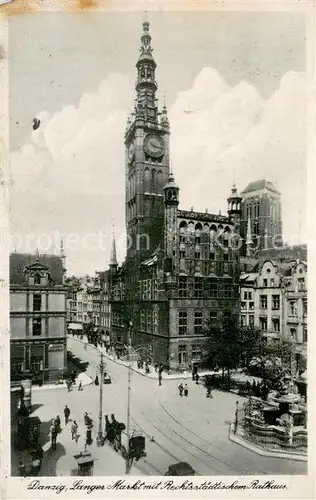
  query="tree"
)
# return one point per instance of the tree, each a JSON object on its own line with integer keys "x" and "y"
{"x": 223, "y": 345}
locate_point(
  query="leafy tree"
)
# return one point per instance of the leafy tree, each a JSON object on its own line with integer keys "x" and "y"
{"x": 223, "y": 344}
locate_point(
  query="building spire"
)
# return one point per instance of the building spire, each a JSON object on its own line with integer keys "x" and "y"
{"x": 146, "y": 85}
{"x": 249, "y": 239}
{"x": 113, "y": 259}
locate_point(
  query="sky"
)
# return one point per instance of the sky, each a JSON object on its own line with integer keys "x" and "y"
{"x": 235, "y": 88}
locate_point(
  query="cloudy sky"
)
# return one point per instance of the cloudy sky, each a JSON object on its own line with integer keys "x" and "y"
{"x": 240, "y": 75}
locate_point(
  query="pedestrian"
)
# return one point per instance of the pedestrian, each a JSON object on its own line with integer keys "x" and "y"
{"x": 96, "y": 380}
{"x": 22, "y": 470}
{"x": 88, "y": 436}
{"x": 197, "y": 378}
{"x": 186, "y": 390}
{"x": 53, "y": 434}
{"x": 74, "y": 431}
{"x": 180, "y": 389}
{"x": 73, "y": 377}
{"x": 80, "y": 386}
{"x": 58, "y": 424}
{"x": 159, "y": 378}
{"x": 67, "y": 414}
{"x": 68, "y": 383}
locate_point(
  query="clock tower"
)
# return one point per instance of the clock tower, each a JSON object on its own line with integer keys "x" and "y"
{"x": 146, "y": 159}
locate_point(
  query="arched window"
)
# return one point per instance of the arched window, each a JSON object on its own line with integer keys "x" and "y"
{"x": 37, "y": 279}
{"x": 146, "y": 181}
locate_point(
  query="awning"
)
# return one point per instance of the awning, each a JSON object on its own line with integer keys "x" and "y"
{"x": 74, "y": 326}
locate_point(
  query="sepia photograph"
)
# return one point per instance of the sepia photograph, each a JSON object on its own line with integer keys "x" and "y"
{"x": 158, "y": 299}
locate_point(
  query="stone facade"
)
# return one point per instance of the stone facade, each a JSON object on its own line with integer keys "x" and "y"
{"x": 38, "y": 318}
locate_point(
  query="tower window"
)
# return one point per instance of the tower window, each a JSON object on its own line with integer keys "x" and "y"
{"x": 197, "y": 254}
{"x": 212, "y": 256}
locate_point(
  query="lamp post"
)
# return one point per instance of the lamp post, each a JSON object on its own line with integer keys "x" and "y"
{"x": 100, "y": 433}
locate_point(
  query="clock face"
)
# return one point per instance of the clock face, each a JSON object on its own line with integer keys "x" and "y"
{"x": 131, "y": 152}
{"x": 154, "y": 145}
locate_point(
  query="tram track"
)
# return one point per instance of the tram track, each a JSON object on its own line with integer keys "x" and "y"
{"x": 203, "y": 440}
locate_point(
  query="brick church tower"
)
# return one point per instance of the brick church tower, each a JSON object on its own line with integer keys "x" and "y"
{"x": 146, "y": 160}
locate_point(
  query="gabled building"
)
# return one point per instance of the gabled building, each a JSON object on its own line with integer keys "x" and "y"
{"x": 38, "y": 317}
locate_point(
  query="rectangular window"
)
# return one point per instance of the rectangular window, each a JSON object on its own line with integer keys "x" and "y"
{"x": 263, "y": 302}
{"x": 245, "y": 295}
{"x": 198, "y": 292}
{"x": 275, "y": 301}
{"x": 142, "y": 320}
{"x": 182, "y": 238}
{"x": 213, "y": 316}
{"x": 249, "y": 295}
{"x": 197, "y": 240}
{"x": 265, "y": 282}
{"x": 183, "y": 286}
{"x": 212, "y": 256}
{"x": 263, "y": 324}
{"x": 225, "y": 257}
{"x": 155, "y": 321}
{"x": 213, "y": 288}
{"x": 251, "y": 320}
{"x": 272, "y": 282}
{"x": 243, "y": 305}
{"x": 243, "y": 320}
{"x": 182, "y": 254}
{"x": 196, "y": 352}
{"x": 276, "y": 324}
{"x": 182, "y": 322}
{"x": 251, "y": 306}
{"x": 197, "y": 254}
{"x": 198, "y": 322}
{"x": 37, "y": 302}
{"x": 37, "y": 326}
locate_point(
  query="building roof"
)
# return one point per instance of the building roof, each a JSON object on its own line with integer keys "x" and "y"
{"x": 18, "y": 262}
{"x": 260, "y": 184}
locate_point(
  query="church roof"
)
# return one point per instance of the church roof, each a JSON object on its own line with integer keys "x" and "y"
{"x": 18, "y": 262}
{"x": 260, "y": 184}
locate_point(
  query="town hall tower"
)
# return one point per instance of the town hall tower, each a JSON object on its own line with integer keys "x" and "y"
{"x": 146, "y": 159}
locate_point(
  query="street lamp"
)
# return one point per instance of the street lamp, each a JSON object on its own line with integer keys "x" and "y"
{"x": 100, "y": 433}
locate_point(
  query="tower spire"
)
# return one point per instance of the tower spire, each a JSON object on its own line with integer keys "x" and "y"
{"x": 113, "y": 259}
{"x": 146, "y": 85}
